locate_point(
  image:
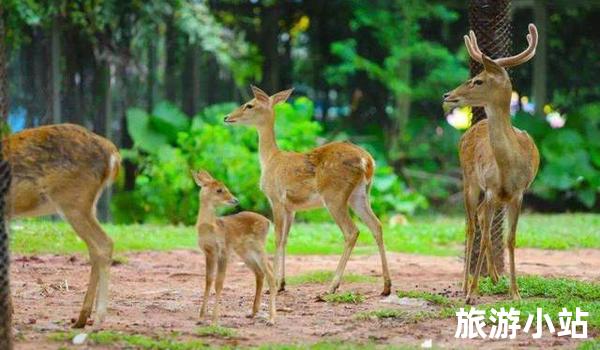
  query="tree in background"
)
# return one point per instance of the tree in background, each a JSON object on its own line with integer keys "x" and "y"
{"x": 490, "y": 20}
{"x": 412, "y": 69}
{"x": 5, "y": 298}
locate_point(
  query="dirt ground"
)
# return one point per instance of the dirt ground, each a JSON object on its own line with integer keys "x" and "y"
{"x": 159, "y": 292}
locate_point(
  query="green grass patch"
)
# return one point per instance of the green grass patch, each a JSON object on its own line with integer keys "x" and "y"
{"x": 430, "y": 297}
{"x": 381, "y": 314}
{"x": 344, "y": 298}
{"x": 216, "y": 331}
{"x": 320, "y": 277}
{"x": 136, "y": 341}
{"x": 336, "y": 345}
{"x": 592, "y": 344}
{"x": 435, "y": 235}
{"x": 536, "y": 286}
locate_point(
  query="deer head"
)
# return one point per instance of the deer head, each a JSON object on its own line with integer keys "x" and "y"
{"x": 493, "y": 83}
{"x": 213, "y": 191}
{"x": 259, "y": 110}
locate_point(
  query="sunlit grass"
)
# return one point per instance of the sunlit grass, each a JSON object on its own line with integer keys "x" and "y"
{"x": 344, "y": 298}
{"x": 321, "y": 277}
{"x": 434, "y": 235}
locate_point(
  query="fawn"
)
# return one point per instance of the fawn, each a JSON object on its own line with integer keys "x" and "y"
{"x": 337, "y": 175}
{"x": 244, "y": 232}
{"x": 63, "y": 169}
{"x": 498, "y": 160}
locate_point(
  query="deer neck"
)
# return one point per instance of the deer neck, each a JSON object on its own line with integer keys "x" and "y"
{"x": 502, "y": 136}
{"x": 267, "y": 144}
{"x": 206, "y": 213}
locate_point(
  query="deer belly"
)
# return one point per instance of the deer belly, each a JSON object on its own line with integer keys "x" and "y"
{"x": 303, "y": 202}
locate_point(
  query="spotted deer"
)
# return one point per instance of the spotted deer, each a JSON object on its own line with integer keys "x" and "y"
{"x": 63, "y": 169}
{"x": 499, "y": 162}
{"x": 243, "y": 233}
{"x": 337, "y": 175}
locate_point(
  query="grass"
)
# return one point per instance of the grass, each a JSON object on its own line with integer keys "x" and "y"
{"x": 136, "y": 341}
{"x": 430, "y": 297}
{"x": 216, "y": 331}
{"x": 403, "y": 315}
{"x": 320, "y": 277}
{"x": 592, "y": 344}
{"x": 423, "y": 235}
{"x": 344, "y": 298}
{"x": 171, "y": 343}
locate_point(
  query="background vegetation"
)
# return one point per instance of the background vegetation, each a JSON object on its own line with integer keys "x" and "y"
{"x": 158, "y": 76}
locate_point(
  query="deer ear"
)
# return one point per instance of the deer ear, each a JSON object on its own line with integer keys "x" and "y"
{"x": 260, "y": 95}
{"x": 281, "y": 96}
{"x": 201, "y": 177}
{"x": 491, "y": 66}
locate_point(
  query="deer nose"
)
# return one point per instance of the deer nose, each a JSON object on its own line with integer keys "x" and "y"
{"x": 234, "y": 201}
{"x": 446, "y": 95}
{"x": 226, "y": 119}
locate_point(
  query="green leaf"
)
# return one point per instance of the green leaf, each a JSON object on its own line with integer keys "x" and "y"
{"x": 144, "y": 138}
{"x": 169, "y": 120}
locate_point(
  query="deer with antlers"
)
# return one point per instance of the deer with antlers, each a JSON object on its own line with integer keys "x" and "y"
{"x": 499, "y": 162}
{"x": 63, "y": 169}
{"x": 337, "y": 175}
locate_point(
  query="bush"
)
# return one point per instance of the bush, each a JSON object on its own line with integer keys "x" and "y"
{"x": 570, "y": 156}
{"x": 164, "y": 190}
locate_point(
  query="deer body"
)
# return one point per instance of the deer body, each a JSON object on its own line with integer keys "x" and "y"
{"x": 244, "y": 233}
{"x": 62, "y": 169}
{"x": 337, "y": 176}
{"x": 499, "y": 162}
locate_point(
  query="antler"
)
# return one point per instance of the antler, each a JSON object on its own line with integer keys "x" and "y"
{"x": 524, "y": 56}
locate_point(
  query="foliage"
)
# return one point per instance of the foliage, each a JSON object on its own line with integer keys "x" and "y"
{"x": 397, "y": 30}
{"x": 570, "y": 155}
{"x": 167, "y": 147}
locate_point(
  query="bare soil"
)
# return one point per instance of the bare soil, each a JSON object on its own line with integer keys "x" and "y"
{"x": 156, "y": 293}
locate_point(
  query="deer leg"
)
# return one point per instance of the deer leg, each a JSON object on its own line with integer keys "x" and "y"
{"x": 339, "y": 212}
{"x": 485, "y": 244}
{"x": 209, "y": 278}
{"x": 252, "y": 260}
{"x": 361, "y": 205}
{"x": 283, "y": 222}
{"x": 272, "y": 287}
{"x": 221, "y": 269}
{"x": 100, "y": 247}
{"x": 514, "y": 208}
{"x": 471, "y": 197}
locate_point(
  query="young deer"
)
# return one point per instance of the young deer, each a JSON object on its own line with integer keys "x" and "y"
{"x": 337, "y": 175}
{"x": 498, "y": 160}
{"x": 62, "y": 169}
{"x": 245, "y": 233}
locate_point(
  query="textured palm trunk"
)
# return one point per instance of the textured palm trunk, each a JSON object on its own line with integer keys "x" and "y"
{"x": 5, "y": 299}
{"x": 490, "y": 20}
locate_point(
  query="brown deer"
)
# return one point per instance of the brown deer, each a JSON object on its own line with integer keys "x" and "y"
{"x": 337, "y": 175}
{"x": 245, "y": 233}
{"x": 499, "y": 162}
{"x": 63, "y": 169}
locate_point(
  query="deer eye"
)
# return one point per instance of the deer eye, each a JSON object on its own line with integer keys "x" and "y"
{"x": 478, "y": 82}
{"x": 249, "y": 106}
{"x": 220, "y": 190}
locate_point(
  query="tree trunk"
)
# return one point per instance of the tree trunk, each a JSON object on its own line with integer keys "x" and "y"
{"x": 490, "y": 21}
{"x": 102, "y": 118}
{"x": 540, "y": 14}
{"x": 170, "y": 73}
{"x": 55, "y": 72}
{"x": 190, "y": 82}
{"x": 270, "y": 16}
{"x": 151, "y": 87}
{"x": 6, "y": 340}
